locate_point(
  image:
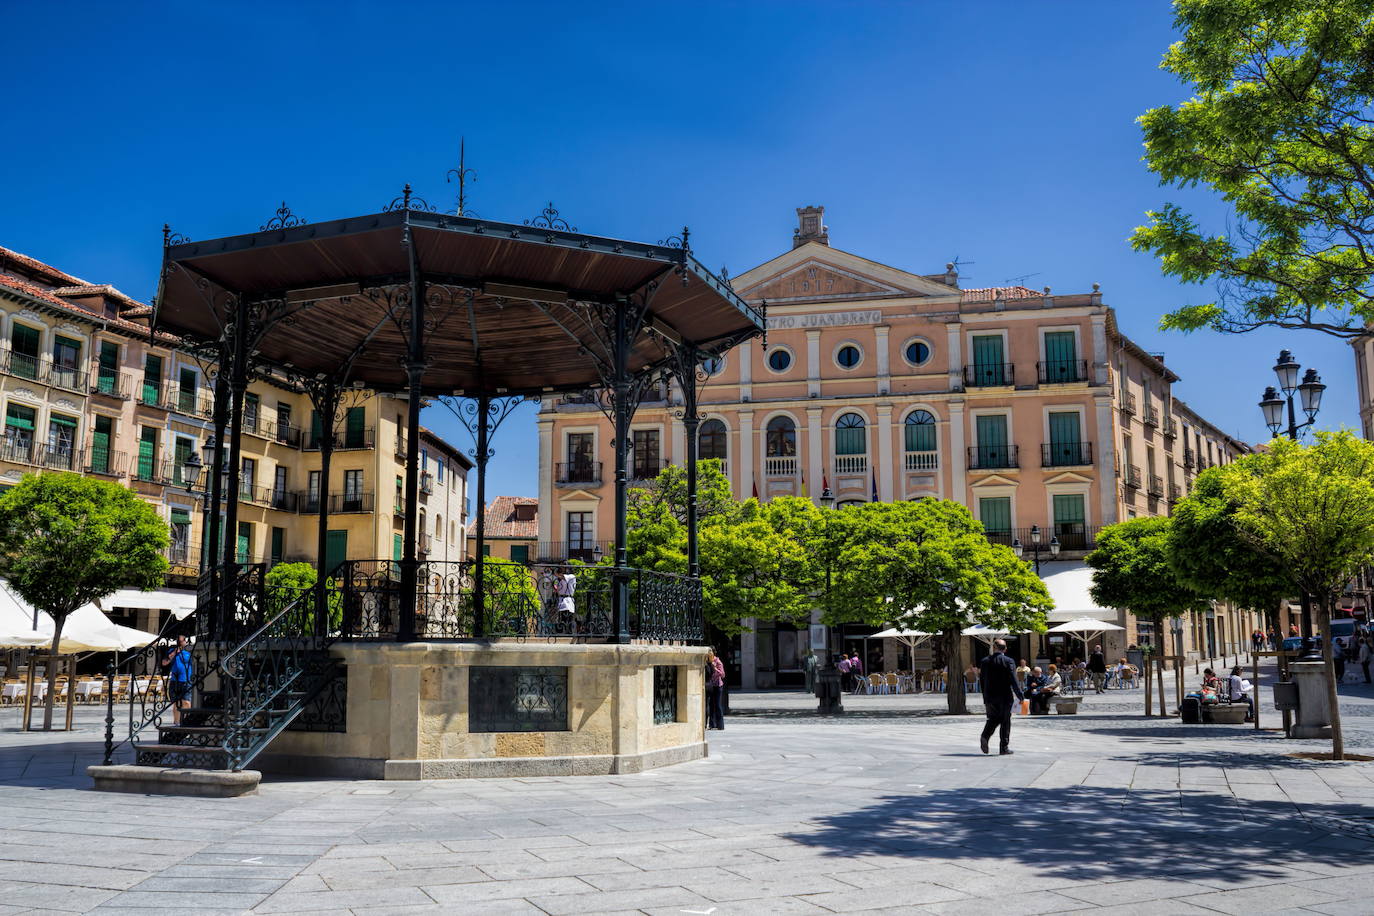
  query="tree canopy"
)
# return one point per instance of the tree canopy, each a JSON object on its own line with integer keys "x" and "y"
{"x": 1279, "y": 125}
{"x": 68, "y": 540}
{"x": 1132, "y": 569}
{"x": 1209, "y": 553}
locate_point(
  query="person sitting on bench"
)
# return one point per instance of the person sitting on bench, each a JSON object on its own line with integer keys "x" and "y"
{"x": 1235, "y": 688}
{"x": 1042, "y": 688}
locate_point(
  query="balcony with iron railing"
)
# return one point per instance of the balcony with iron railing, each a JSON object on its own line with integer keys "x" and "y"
{"x": 1127, "y": 403}
{"x": 21, "y": 365}
{"x": 20, "y": 449}
{"x": 1155, "y": 486}
{"x": 645, "y": 469}
{"x": 68, "y": 378}
{"x": 1149, "y": 415}
{"x": 426, "y": 483}
{"x": 191, "y": 401}
{"x": 580, "y": 400}
{"x": 922, "y": 461}
{"x": 339, "y": 503}
{"x": 851, "y": 464}
{"x": 577, "y": 473}
{"x": 1066, "y": 454}
{"x": 990, "y": 375}
{"x": 56, "y": 457}
{"x": 345, "y": 440}
{"x": 1072, "y": 536}
{"x": 1170, "y": 428}
{"x": 400, "y": 445}
{"x": 1175, "y": 493}
{"x": 286, "y": 434}
{"x": 584, "y": 551}
{"x": 1188, "y": 457}
{"x": 1062, "y": 371}
{"x": 103, "y": 462}
{"x": 44, "y": 370}
{"x": 1131, "y": 477}
{"x": 165, "y": 473}
{"x": 780, "y": 466}
{"x": 992, "y": 457}
{"x": 424, "y": 543}
{"x": 111, "y": 384}
{"x": 183, "y": 558}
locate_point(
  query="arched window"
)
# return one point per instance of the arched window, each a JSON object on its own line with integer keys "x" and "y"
{"x": 782, "y": 438}
{"x": 851, "y": 436}
{"x": 711, "y": 440}
{"x": 920, "y": 431}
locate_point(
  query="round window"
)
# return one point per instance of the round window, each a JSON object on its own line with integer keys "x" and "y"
{"x": 713, "y": 364}
{"x": 779, "y": 360}
{"x": 917, "y": 352}
{"x": 848, "y": 356}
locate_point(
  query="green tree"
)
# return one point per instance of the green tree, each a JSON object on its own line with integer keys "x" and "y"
{"x": 68, "y": 540}
{"x": 1209, "y": 554}
{"x": 931, "y": 559}
{"x": 1279, "y": 126}
{"x": 668, "y": 491}
{"x": 511, "y": 598}
{"x": 1132, "y": 569}
{"x": 1310, "y": 509}
{"x": 290, "y": 583}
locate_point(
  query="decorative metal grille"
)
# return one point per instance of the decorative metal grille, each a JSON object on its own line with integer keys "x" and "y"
{"x": 328, "y": 710}
{"x": 665, "y": 694}
{"x": 517, "y": 699}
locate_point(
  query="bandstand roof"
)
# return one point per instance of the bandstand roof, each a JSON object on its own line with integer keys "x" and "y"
{"x": 522, "y": 297}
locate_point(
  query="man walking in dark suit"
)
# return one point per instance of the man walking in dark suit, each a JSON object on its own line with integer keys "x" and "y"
{"x": 998, "y": 675}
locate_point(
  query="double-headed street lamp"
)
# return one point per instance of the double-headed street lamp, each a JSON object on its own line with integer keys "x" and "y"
{"x": 1020, "y": 550}
{"x": 828, "y": 692}
{"x": 1310, "y": 391}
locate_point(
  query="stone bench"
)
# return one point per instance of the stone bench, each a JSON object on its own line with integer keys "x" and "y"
{"x": 1066, "y": 705}
{"x": 1224, "y": 713}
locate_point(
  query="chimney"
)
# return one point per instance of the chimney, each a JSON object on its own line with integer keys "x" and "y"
{"x": 810, "y": 227}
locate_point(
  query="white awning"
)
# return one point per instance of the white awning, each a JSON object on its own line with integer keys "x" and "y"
{"x": 181, "y": 604}
{"x": 87, "y": 629}
{"x": 1068, "y": 582}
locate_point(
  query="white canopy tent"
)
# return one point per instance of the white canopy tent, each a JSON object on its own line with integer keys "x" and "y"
{"x": 87, "y": 629}
{"x": 180, "y": 604}
{"x": 1068, "y": 582}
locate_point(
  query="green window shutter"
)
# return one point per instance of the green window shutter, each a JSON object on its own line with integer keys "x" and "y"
{"x": 25, "y": 340}
{"x": 920, "y": 432}
{"x": 987, "y": 350}
{"x": 279, "y": 544}
{"x": 100, "y": 444}
{"x": 181, "y": 517}
{"x": 353, "y": 427}
{"x": 147, "y": 452}
{"x": 1068, "y": 509}
{"x": 66, "y": 352}
{"x": 520, "y": 553}
{"x": 59, "y": 420}
{"x": 316, "y": 429}
{"x": 109, "y": 367}
{"x": 335, "y": 550}
{"x": 995, "y": 513}
{"x": 182, "y": 449}
{"x": 1059, "y": 348}
{"x": 1064, "y": 428}
{"x": 851, "y": 436}
{"x": 152, "y": 378}
{"x": 17, "y": 417}
{"x": 992, "y": 431}
{"x": 245, "y": 542}
{"x": 397, "y": 548}
{"x": 186, "y": 391}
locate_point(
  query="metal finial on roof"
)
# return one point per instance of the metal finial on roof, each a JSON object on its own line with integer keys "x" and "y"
{"x": 170, "y": 238}
{"x": 548, "y": 218}
{"x": 283, "y": 219}
{"x": 463, "y": 175}
{"x": 408, "y": 201}
{"x": 678, "y": 241}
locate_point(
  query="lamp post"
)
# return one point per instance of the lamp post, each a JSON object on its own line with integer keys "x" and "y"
{"x": 828, "y": 693}
{"x": 1020, "y": 550}
{"x": 1272, "y": 405}
{"x": 195, "y": 464}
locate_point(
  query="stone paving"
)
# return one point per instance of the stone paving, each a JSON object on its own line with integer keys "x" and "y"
{"x": 890, "y": 809}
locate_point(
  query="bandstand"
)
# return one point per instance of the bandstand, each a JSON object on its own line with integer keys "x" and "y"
{"x": 409, "y": 668}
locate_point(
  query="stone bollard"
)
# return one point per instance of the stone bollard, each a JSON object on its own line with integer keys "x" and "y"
{"x": 828, "y": 691}
{"x": 1314, "y": 712}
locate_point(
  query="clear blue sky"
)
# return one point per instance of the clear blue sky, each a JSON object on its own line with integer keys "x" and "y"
{"x": 1000, "y": 132}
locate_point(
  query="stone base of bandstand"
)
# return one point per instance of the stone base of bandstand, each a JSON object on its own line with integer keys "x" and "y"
{"x": 407, "y": 714}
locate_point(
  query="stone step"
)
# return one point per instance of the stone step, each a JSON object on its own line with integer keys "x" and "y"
{"x": 155, "y": 780}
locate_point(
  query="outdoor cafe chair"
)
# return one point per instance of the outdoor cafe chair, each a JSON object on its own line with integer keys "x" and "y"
{"x": 876, "y": 684}
{"x": 894, "y": 684}
{"x": 860, "y": 685}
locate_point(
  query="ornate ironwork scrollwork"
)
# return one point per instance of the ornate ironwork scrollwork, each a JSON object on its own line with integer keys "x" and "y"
{"x": 170, "y": 238}
{"x": 283, "y": 219}
{"x": 408, "y": 201}
{"x": 462, "y": 175}
{"x": 548, "y": 218}
{"x": 680, "y": 242}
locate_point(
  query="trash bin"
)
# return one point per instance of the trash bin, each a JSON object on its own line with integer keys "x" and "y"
{"x": 1286, "y": 695}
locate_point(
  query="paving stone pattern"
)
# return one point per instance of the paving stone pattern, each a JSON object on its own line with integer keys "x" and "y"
{"x": 889, "y": 809}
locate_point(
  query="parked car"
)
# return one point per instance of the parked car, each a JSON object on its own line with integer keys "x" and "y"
{"x": 1292, "y": 644}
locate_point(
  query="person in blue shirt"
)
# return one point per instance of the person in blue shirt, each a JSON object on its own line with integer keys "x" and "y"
{"x": 177, "y": 664}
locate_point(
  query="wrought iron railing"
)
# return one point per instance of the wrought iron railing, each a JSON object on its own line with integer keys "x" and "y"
{"x": 102, "y": 461}
{"x": 286, "y": 434}
{"x": 1127, "y": 403}
{"x": 990, "y": 375}
{"x": 344, "y": 440}
{"x": 575, "y": 472}
{"x": 70, "y": 378}
{"x": 1072, "y": 536}
{"x": 20, "y": 365}
{"x": 59, "y": 457}
{"x": 111, "y": 383}
{"x": 20, "y": 449}
{"x": 984, "y": 457}
{"x": 1188, "y": 458}
{"x": 339, "y": 503}
{"x": 1132, "y": 477}
{"x": 1066, "y": 454}
{"x": 426, "y": 483}
{"x": 521, "y": 601}
{"x": 1149, "y": 415}
{"x": 582, "y": 551}
{"x": 1062, "y": 371}
{"x": 1155, "y": 485}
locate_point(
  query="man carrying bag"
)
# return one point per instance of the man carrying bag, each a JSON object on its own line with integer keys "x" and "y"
{"x": 998, "y": 675}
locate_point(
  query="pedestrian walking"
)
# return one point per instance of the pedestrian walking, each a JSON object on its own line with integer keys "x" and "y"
{"x": 1097, "y": 667}
{"x": 846, "y": 682}
{"x": 856, "y": 666}
{"x": 177, "y": 663}
{"x": 715, "y": 683}
{"x": 1338, "y": 656}
{"x": 998, "y": 675}
{"x": 1366, "y": 655}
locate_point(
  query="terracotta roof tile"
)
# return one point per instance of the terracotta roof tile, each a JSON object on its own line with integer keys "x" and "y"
{"x": 501, "y": 521}
{"x": 990, "y": 293}
{"x": 52, "y": 273}
{"x": 33, "y": 291}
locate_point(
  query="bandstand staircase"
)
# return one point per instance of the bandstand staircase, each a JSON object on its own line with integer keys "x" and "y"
{"x": 244, "y": 694}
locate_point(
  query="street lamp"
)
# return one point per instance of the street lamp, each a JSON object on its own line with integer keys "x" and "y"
{"x": 828, "y": 693}
{"x": 1020, "y": 551}
{"x": 210, "y": 449}
{"x": 1272, "y": 406}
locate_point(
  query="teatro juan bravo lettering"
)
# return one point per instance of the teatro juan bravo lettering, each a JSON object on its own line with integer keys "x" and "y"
{"x": 828, "y": 320}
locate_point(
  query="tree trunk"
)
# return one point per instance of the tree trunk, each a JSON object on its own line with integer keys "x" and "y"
{"x": 57, "y": 623}
{"x": 1332, "y": 695}
{"x": 954, "y": 683}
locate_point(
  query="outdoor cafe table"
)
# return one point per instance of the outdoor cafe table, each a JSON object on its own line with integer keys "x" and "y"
{"x": 88, "y": 689}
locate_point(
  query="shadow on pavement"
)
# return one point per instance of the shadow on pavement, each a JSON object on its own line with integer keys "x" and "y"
{"x": 1090, "y": 834}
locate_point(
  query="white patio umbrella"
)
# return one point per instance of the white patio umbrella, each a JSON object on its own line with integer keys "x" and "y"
{"x": 986, "y": 634}
{"x": 1086, "y": 629}
{"x": 87, "y": 629}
